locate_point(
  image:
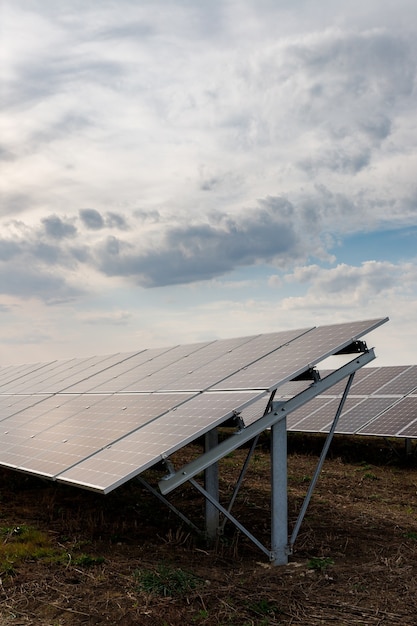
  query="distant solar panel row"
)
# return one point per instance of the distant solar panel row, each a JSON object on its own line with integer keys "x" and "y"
{"x": 382, "y": 402}
{"x": 100, "y": 421}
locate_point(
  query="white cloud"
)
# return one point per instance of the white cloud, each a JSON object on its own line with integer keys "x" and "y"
{"x": 160, "y": 143}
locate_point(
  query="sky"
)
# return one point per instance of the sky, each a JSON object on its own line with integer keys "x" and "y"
{"x": 174, "y": 171}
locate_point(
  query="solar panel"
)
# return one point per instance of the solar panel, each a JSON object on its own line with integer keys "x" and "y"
{"x": 322, "y": 418}
{"x": 304, "y": 411}
{"x": 10, "y": 405}
{"x": 67, "y": 434}
{"x": 102, "y": 420}
{"x": 380, "y": 377}
{"x": 309, "y": 348}
{"x": 402, "y": 384}
{"x": 28, "y": 383}
{"x": 119, "y": 462}
{"x": 11, "y": 377}
{"x": 145, "y": 364}
{"x": 167, "y": 378}
{"x": 103, "y": 375}
{"x": 410, "y": 409}
{"x": 395, "y": 420}
{"x": 350, "y": 422}
{"x": 232, "y": 361}
{"x": 80, "y": 369}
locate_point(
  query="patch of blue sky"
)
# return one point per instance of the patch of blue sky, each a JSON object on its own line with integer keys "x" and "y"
{"x": 394, "y": 246}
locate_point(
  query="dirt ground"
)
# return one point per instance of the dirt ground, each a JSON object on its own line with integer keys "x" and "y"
{"x": 70, "y": 557}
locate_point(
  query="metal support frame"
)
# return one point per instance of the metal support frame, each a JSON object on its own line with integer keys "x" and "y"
{"x": 240, "y": 480}
{"x": 167, "y": 503}
{"x": 274, "y": 419}
{"x": 279, "y": 490}
{"x": 211, "y": 484}
{"x": 322, "y": 457}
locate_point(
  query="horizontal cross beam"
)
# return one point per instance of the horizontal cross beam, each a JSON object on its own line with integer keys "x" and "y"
{"x": 278, "y": 412}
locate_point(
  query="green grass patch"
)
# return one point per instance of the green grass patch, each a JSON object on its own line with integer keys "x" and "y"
{"x": 24, "y": 543}
{"x": 86, "y": 560}
{"x": 320, "y": 564}
{"x": 166, "y": 581}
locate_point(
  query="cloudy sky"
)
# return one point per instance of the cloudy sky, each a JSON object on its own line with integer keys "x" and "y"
{"x": 179, "y": 170}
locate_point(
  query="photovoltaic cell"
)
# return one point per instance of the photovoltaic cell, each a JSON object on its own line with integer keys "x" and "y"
{"x": 316, "y": 404}
{"x": 167, "y": 379}
{"x": 379, "y": 378}
{"x": 410, "y": 406}
{"x": 395, "y": 420}
{"x": 322, "y": 419}
{"x": 10, "y": 405}
{"x": 233, "y": 361}
{"x": 16, "y": 374}
{"x": 30, "y": 382}
{"x": 156, "y": 361}
{"x": 402, "y": 384}
{"x": 109, "y": 418}
{"x": 109, "y": 371}
{"x": 41, "y": 446}
{"x": 362, "y": 413}
{"x": 79, "y": 370}
{"x": 310, "y": 348}
{"x": 255, "y": 411}
{"x": 134, "y": 453}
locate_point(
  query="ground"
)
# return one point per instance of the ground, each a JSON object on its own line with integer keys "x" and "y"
{"x": 71, "y": 557}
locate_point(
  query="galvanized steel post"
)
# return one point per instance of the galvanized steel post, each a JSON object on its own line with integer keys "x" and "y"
{"x": 279, "y": 497}
{"x": 211, "y": 484}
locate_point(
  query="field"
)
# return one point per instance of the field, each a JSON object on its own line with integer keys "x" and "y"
{"x": 70, "y": 557}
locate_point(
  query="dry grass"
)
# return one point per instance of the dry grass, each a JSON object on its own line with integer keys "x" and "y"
{"x": 70, "y": 557}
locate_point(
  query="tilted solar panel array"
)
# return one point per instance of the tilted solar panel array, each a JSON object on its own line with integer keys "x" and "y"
{"x": 382, "y": 402}
{"x": 100, "y": 421}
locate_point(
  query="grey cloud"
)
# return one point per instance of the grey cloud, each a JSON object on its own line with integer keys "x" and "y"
{"x": 45, "y": 252}
{"x": 377, "y": 126}
{"x": 13, "y": 203}
{"x": 134, "y": 30}
{"x": 8, "y": 249}
{"x": 116, "y": 220}
{"x": 6, "y": 154}
{"x": 92, "y": 219}
{"x": 27, "y": 281}
{"x": 80, "y": 253}
{"x": 67, "y": 125}
{"x": 144, "y": 216}
{"x": 57, "y": 228}
{"x": 41, "y": 78}
{"x": 349, "y": 86}
{"x": 203, "y": 251}
{"x": 338, "y": 160}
